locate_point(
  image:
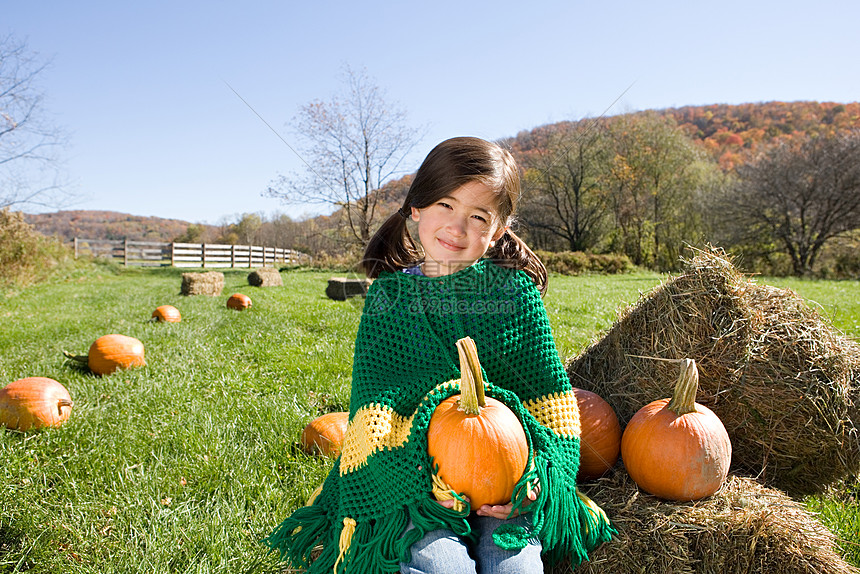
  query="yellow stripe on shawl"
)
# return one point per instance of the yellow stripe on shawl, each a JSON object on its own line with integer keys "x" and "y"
{"x": 373, "y": 428}
{"x": 558, "y": 412}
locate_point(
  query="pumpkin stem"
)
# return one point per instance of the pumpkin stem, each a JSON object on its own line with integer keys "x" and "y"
{"x": 63, "y": 403}
{"x": 684, "y": 398}
{"x": 78, "y": 358}
{"x": 472, "y": 397}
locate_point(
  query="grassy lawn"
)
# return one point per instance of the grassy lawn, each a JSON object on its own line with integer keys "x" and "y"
{"x": 183, "y": 465}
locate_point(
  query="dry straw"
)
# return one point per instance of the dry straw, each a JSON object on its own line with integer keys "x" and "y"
{"x": 783, "y": 381}
{"x": 208, "y": 283}
{"x": 745, "y": 528}
{"x": 265, "y": 277}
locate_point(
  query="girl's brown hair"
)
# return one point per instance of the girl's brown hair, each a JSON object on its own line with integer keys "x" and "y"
{"x": 451, "y": 164}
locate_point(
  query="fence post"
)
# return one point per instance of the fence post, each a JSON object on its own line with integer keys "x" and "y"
{"x": 125, "y": 252}
{"x": 173, "y": 254}
{"x": 203, "y": 254}
{"x": 76, "y": 247}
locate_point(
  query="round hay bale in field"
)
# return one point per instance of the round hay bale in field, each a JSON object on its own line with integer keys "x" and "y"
{"x": 265, "y": 277}
{"x": 208, "y": 283}
{"x": 782, "y": 380}
{"x": 745, "y": 528}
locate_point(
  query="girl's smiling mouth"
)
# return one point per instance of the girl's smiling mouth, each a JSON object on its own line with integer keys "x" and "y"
{"x": 449, "y": 246}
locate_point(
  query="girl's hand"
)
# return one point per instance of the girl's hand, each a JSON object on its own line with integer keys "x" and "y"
{"x": 502, "y": 512}
{"x": 450, "y": 503}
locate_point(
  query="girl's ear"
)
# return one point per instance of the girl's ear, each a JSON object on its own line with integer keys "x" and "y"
{"x": 499, "y": 232}
{"x": 416, "y": 215}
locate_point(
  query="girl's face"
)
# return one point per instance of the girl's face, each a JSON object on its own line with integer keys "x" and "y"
{"x": 458, "y": 229}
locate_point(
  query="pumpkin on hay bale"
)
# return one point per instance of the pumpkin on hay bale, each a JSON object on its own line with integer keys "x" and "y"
{"x": 745, "y": 528}
{"x": 781, "y": 379}
{"x": 265, "y": 277}
{"x": 208, "y": 283}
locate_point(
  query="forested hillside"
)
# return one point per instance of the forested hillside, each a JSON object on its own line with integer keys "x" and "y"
{"x": 777, "y": 182}
{"x": 645, "y": 184}
{"x": 107, "y": 225}
{"x": 724, "y": 130}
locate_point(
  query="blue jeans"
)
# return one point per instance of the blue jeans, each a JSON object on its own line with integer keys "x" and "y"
{"x": 443, "y": 552}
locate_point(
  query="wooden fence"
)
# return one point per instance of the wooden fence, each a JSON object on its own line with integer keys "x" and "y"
{"x": 157, "y": 254}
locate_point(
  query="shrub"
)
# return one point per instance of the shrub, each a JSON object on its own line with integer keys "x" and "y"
{"x": 840, "y": 258}
{"x": 578, "y": 262}
{"x": 26, "y": 256}
{"x": 561, "y": 262}
{"x": 342, "y": 262}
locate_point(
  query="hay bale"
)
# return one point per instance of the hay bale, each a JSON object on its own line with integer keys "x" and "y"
{"x": 265, "y": 277}
{"x": 342, "y": 288}
{"x": 745, "y": 528}
{"x": 208, "y": 283}
{"x": 784, "y": 383}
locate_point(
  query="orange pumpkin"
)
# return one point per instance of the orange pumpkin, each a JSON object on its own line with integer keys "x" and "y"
{"x": 325, "y": 434}
{"x": 34, "y": 402}
{"x": 676, "y": 448}
{"x": 112, "y": 352}
{"x": 167, "y": 314}
{"x": 600, "y": 435}
{"x": 477, "y": 442}
{"x": 238, "y": 301}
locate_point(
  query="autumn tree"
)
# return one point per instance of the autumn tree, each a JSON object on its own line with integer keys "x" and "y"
{"x": 242, "y": 232}
{"x": 563, "y": 177}
{"x": 352, "y": 145}
{"x": 194, "y": 233}
{"x": 29, "y": 144}
{"x": 799, "y": 194}
{"x": 654, "y": 181}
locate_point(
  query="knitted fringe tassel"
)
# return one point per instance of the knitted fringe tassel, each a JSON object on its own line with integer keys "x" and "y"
{"x": 298, "y": 535}
{"x": 352, "y": 547}
{"x": 568, "y": 523}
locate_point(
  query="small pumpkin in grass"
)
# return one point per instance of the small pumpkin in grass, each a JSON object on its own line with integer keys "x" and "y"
{"x": 477, "y": 442}
{"x": 676, "y": 448}
{"x": 325, "y": 434}
{"x": 112, "y": 352}
{"x": 238, "y": 301}
{"x": 166, "y": 314}
{"x": 600, "y": 435}
{"x": 34, "y": 402}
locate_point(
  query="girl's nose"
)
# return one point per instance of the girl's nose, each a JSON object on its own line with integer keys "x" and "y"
{"x": 456, "y": 226}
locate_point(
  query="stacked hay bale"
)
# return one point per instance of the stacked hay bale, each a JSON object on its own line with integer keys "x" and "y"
{"x": 208, "y": 283}
{"x": 785, "y": 384}
{"x": 745, "y": 528}
{"x": 265, "y": 277}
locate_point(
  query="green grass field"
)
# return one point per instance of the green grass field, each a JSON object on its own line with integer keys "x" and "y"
{"x": 185, "y": 464}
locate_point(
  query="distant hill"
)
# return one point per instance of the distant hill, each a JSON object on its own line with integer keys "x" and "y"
{"x": 107, "y": 225}
{"x": 725, "y": 131}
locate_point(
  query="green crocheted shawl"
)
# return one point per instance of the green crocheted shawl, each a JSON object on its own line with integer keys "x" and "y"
{"x": 406, "y": 363}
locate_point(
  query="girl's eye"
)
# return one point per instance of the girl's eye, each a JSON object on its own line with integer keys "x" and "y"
{"x": 480, "y": 218}
{"x": 445, "y": 205}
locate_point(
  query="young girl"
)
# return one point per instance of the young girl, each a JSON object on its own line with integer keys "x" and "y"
{"x": 471, "y": 276}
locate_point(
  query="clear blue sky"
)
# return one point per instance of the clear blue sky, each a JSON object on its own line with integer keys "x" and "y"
{"x": 154, "y": 130}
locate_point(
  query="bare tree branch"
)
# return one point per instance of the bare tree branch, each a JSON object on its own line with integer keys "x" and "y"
{"x": 30, "y": 171}
{"x": 353, "y": 144}
{"x": 801, "y": 193}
